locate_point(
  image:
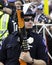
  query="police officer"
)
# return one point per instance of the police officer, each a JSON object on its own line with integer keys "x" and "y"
{"x": 9, "y": 8}
{"x": 12, "y": 47}
{"x": 4, "y": 18}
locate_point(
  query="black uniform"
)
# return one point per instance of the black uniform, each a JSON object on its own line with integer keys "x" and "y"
{"x": 11, "y": 48}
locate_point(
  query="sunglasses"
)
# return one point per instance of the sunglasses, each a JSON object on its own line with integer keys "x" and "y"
{"x": 28, "y": 19}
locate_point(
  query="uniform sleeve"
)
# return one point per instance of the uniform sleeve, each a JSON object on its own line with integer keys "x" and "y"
{"x": 3, "y": 53}
{"x": 42, "y": 50}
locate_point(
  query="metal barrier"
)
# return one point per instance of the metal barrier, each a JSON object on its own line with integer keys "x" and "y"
{"x": 44, "y": 28}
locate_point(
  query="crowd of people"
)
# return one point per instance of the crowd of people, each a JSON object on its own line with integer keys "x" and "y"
{"x": 19, "y": 43}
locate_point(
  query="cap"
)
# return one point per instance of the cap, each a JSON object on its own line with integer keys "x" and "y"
{"x": 29, "y": 13}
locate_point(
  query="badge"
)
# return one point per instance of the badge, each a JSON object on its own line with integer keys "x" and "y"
{"x": 18, "y": 39}
{"x": 30, "y": 40}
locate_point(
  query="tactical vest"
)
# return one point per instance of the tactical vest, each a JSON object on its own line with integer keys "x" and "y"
{"x": 4, "y": 18}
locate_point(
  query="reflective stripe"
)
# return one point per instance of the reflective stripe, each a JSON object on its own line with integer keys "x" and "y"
{"x": 4, "y": 35}
{"x": 4, "y": 22}
{"x": 1, "y": 31}
{"x": 15, "y": 26}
